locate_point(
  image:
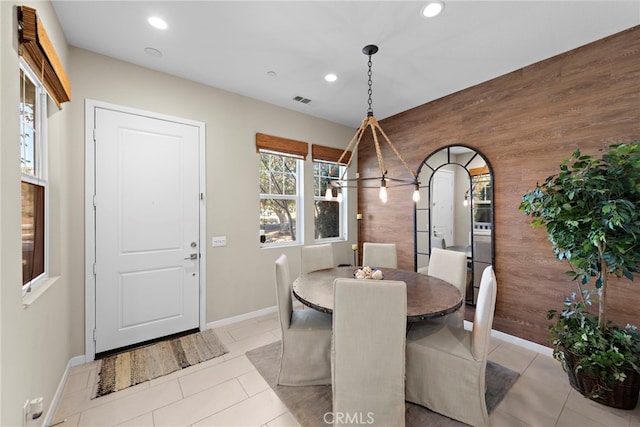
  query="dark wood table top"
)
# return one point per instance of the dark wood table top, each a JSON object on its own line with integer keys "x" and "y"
{"x": 427, "y": 296}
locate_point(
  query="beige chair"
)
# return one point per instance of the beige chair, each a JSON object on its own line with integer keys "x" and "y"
{"x": 316, "y": 257}
{"x": 306, "y": 337}
{"x": 450, "y": 266}
{"x": 438, "y": 242}
{"x": 446, "y": 368}
{"x": 379, "y": 255}
{"x": 368, "y": 353}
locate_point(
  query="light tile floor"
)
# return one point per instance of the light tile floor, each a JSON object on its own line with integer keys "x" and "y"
{"x": 228, "y": 391}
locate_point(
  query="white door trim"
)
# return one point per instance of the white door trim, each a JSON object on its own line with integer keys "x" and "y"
{"x": 90, "y": 302}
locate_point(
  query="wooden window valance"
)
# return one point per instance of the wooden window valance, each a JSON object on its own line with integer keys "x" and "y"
{"x": 479, "y": 171}
{"x": 329, "y": 154}
{"x": 37, "y": 50}
{"x": 281, "y": 145}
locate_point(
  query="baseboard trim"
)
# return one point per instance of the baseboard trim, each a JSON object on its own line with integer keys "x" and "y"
{"x": 57, "y": 396}
{"x": 529, "y": 345}
{"x": 241, "y": 317}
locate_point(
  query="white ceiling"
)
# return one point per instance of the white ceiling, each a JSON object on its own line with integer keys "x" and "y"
{"x": 232, "y": 45}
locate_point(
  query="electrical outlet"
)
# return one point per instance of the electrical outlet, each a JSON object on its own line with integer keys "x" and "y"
{"x": 218, "y": 241}
{"x": 36, "y": 407}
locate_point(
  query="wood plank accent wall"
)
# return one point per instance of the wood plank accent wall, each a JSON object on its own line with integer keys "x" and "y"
{"x": 525, "y": 123}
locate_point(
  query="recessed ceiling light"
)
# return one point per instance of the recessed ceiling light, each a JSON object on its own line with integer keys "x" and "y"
{"x": 432, "y": 9}
{"x": 152, "y": 52}
{"x": 158, "y": 23}
{"x": 331, "y": 77}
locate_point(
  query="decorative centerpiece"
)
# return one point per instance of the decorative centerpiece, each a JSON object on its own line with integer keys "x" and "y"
{"x": 368, "y": 273}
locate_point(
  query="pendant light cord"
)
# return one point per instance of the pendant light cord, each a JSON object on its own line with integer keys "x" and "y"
{"x": 370, "y": 91}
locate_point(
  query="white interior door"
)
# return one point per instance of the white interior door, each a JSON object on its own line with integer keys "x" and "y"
{"x": 442, "y": 219}
{"x": 147, "y": 248}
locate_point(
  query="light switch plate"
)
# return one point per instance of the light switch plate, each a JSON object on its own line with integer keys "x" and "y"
{"x": 218, "y": 241}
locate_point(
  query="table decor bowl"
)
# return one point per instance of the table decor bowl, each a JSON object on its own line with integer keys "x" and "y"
{"x": 368, "y": 273}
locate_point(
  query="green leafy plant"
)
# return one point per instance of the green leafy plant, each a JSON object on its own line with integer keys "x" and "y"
{"x": 590, "y": 211}
{"x": 605, "y": 355}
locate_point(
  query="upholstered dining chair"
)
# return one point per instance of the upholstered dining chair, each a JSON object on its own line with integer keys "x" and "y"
{"x": 306, "y": 337}
{"x": 450, "y": 266}
{"x": 316, "y": 257}
{"x": 438, "y": 242}
{"x": 379, "y": 255}
{"x": 368, "y": 352}
{"x": 446, "y": 368}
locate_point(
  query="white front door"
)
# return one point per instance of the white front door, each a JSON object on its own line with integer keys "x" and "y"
{"x": 442, "y": 206}
{"x": 147, "y": 247}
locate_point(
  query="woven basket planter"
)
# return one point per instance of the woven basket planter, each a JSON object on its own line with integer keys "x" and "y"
{"x": 623, "y": 396}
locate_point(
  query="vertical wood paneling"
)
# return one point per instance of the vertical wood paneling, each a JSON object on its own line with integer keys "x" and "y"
{"x": 524, "y": 123}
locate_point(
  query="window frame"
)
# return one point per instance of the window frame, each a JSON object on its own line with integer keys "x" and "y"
{"x": 298, "y": 198}
{"x": 342, "y": 234}
{"x": 40, "y": 177}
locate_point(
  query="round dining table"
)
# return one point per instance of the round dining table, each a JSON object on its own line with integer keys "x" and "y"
{"x": 427, "y": 296}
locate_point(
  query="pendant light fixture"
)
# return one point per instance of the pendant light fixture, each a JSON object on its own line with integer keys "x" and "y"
{"x": 383, "y": 181}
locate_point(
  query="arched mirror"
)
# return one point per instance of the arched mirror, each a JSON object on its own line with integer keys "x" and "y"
{"x": 455, "y": 211}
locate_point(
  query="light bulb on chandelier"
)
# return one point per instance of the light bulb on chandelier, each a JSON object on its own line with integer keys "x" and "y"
{"x": 465, "y": 202}
{"x": 371, "y": 123}
{"x": 416, "y": 193}
{"x": 383, "y": 191}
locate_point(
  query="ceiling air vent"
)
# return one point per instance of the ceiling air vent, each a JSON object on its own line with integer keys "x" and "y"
{"x": 302, "y": 99}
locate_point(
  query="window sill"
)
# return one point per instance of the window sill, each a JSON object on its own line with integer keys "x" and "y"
{"x": 31, "y": 297}
{"x": 279, "y": 245}
{"x": 330, "y": 240}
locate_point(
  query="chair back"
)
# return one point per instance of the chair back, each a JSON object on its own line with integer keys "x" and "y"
{"x": 379, "y": 255}
{"x": 450, "y": 266}
{"x": 316, "y": 257}
{"x": 283, "y": 291}
{"x": 368, "y": 352}
{"x": 483, "y": 318}
{"x": 438, "y": 242}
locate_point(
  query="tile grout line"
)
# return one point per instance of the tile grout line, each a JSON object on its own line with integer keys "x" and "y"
{"x": 564, "y": 405}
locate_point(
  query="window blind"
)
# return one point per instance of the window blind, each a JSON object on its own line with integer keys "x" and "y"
{"x": 329, "y": 154}
{"x": 37, "y": 50}
{"x": 479, "y": 171}
{"x": 280, "y": 145}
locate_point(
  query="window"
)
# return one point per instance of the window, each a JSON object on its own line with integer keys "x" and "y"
{"x": 328, "y": 215}
{"x": 279, "y": 198}
{"x": 280, "y": 188}
{"x": 328, "y": 163}
{"x": 33, "y": 162}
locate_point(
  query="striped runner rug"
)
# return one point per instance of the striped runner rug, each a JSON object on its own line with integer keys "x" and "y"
{"x": 129, "y": 368}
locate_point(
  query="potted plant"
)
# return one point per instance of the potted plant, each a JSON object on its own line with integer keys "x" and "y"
{"x": 590, "y": 211}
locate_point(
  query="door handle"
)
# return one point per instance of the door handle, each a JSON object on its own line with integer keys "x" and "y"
{"x": 193, "y": 256}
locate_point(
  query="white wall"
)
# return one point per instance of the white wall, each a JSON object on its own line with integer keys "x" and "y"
{"x": 36, "y": 343}
{"x": 4, "y": 52}
{"x": 240, "y": 275}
